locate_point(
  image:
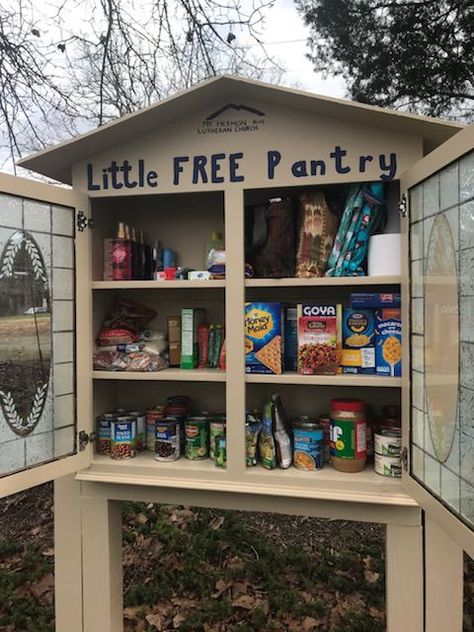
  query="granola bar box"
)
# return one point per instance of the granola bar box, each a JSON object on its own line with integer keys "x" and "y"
{"x": 264, "y": 337}
{"x": 319, "y": 338}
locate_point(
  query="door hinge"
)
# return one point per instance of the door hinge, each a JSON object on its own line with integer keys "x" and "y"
{"x": 83, "y": 222}
{"x": 403, "y": 206}
{"x": 404, "y": 457}
{"x": 84, "y": 439}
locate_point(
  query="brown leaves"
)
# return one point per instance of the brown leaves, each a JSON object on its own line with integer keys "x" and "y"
{"x": 217, "y": 523}
{"x": 43, "y": 586}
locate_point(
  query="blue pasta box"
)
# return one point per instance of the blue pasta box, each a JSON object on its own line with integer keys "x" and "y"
{"x": 388, "y": 342}
{"x": 375, "y": 300}
{"x": 358, "y": 341}
{"x": 264, "y": 337}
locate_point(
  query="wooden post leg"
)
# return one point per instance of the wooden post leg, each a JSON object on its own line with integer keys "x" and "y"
{"x": 444, "y": 580}
{"x": 404, "y": 578}
{"x": 102, "y": 565}
{"x": 67, "y": 555}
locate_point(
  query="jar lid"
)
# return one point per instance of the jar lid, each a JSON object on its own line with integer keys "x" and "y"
{"x": 352, "y": 405}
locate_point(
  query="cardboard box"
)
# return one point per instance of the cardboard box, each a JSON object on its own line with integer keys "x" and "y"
{"x": 108, "y": 260}
{"x": 191, "y": 318}
{"x": 388, "y": 342}
{"x": 358, "y": 341}
{"x": 319, "y": 338}
{"x": 174, "y": 340}
{"x": 375, "y": 300}
{"x": 291, "y": 338}
{"x": 264, "y": 338}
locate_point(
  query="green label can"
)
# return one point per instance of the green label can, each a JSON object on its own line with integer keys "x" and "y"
{"x": 220, "y": 458}
{"x": 216, "y": 429}
{"x": 197, "y": 438}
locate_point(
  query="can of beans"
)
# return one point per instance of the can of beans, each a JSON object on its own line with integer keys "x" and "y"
{"x": 390, "y": 466}
{"x": 220, "y": 453}
{"x": 167, "y": 443}
{"x": 216, "y": 429}
{"x": 123, "y": 436}
{"x": 141, "y": 428}
{"x": 197, "y": 438}
{"x": 104, "y": 433}
{"x": 308, "y": 449}
{"x": 388, "y": 442}
{"x": 325, "y": 422}
{"x": 152, "y": 416}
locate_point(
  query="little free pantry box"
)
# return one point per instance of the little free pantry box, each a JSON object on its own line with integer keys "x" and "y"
{"x": 190, "y": 165}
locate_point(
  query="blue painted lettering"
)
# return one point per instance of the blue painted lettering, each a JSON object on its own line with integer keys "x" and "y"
{"x": 338, "y": 155}
{"x": 91, "y": 186}
{"x": 215, "y": 168}
{"x": 199, "y": 169}
{"x": 298, "y": 169}
{"x": 391, "y": 167}
{"x": 177, "y": 168}
{"x": 273, "y": 159}
{"x": 234, "y": 165}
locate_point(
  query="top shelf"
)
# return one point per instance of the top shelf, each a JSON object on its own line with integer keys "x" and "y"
{"x": 154, "y": 285}
{"x": 394, "y": 279}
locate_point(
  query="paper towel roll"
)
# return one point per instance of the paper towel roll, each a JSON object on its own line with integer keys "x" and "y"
{"x": 384, "y": 254}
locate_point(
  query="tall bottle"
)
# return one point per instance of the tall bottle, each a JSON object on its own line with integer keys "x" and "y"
{"x": 135, "y": 254}
{"x": 122, "y": 254}
{"x": 146, "y": 257}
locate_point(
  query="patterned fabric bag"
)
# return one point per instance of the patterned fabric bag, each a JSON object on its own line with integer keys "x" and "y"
{"x": 317, "y": 227}
{"x": 364, "y": 214}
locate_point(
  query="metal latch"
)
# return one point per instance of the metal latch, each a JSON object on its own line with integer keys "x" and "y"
{"x": 83, "y": 222}
{"x": 404, "y": 457}
{"x": 403, "y": 207}
{"x": 84, "y": 439}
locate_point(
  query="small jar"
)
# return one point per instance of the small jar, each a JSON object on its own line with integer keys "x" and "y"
{"x": 348, "y": 435}
{"x": 391, "y": 416}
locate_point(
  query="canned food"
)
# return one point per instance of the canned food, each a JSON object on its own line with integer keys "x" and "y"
{"x": 308, "y": 444}
{"x": 123, "y": 436}
{"x": 167, "y": 442}
{"x": 390, "y": 466}
{"x": 152, "y": 416}
{"x": 388, "y": 442}
{"x": 220, "y": 458}
{"x": 325, "y": 422}
{"x": 216, "y": 429}
{"x": 104, "y": 433}
{"x": 141, "y": 428}
{"x": 197, "y": 438}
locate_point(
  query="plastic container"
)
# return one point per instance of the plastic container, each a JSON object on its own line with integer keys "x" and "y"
{"x": 215, "y": 243}
{"x": 348, "y": 435}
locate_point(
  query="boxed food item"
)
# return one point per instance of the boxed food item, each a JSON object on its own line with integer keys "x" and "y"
{"x": 374, "y": 300}
{"x": 174, "y": 340}
{"x": 263, "y": 337}
{"x": 191, "y": 318}
{"x": 388, "y": 342}
{"x": 319, "y": 338}
{"x": 108, "y": 259}
{"x": 358, "y": 341}
{"x": 291, "y": 339}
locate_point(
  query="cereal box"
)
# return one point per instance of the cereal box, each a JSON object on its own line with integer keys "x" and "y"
{"x": 358, "y": 341}
{"x": 319, "y": 339}
{"x": 263, "y": 337}
{"x": 388, "y": 342}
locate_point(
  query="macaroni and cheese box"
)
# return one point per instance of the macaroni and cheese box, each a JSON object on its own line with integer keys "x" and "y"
{"x": 375, "y": 300}
{"x": 264, "y": 337}
{"x": 388, "y": 342}
{"x": 358, "y": 341}
{"x": 319, "y": 339}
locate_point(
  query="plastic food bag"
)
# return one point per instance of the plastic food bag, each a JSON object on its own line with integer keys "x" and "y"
{"x": 120, "y": 361}
{"x": 127, "y": 314}
{"x": 253, "y": 427}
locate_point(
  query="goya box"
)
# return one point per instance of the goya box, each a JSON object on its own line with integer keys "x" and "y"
{"x": 388, "y": 342}
{"x": 191, "y": 318}
{"x": 358, "y": 341}
{"x": 263, "y": 337}
{"x": 319, "y": 339}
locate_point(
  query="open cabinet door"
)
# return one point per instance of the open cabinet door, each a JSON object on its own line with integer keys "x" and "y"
{"x": 44, "y": 373}
{"x": 438, "y": 194}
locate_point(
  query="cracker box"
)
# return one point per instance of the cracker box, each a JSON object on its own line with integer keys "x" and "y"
{"x": 388, "y": 342}
{"x": 319, "y": 339}
{"x": 174, "y": 340}
{"x": 191, "y": 318}
{"x": 263, "y": 337}
{"x": 358, "y": 341}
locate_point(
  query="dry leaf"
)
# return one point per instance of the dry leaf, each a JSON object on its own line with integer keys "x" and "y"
{"x": 141, "y": 518}
{"x": 309, "y": 624}
{"x": 45, "y": 584}
{"x": 48, "y": 552}
{"x": 235, "y": 563}
{"x": 155, "y": 620}
{"x": 184, "y": 602}
{"x": 216, "y": 523}
{"x": 239, "y": 588}
{"x": 178, "y": 620}
{"x": 377, "y": 614}
{"x": 131, "y": 613}
{"x": 247, "y": 602}
{"x": 221, "y": 587}
{"x": 371, "y": 577}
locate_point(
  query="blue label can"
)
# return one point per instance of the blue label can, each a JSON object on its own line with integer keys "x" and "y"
{"x": 308, "y": 451}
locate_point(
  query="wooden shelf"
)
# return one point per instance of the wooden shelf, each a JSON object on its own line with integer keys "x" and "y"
{"x": 154, "y": 285}
{"x": 178, "y": 375}
{"x": 326, "y": 281}
{"x": 291, "y": 377}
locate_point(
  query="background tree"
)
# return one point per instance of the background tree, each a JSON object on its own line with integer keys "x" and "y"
{"x": 69, "y": 65}
{"x": 410, "y": 54}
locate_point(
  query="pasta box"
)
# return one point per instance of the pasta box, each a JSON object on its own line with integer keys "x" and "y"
{"x": 388, "y": 342}
{"x": 319, "y": 338}
{"x": 264, "y": 337}
{"x": 358, "y": 341}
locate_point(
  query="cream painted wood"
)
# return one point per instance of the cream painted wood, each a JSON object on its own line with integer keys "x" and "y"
{"x": 388, "y": 279}
{"x": 404, "y": 578}
{"x": 444, "y": 579}
{"x": 67, "y": 555}
{"x": 102, "y": 565}
{"x": 172, "y": 374}
{"x": 157, "y": 285}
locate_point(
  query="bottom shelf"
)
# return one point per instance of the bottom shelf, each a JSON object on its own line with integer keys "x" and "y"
{"x": 325, "y": 484}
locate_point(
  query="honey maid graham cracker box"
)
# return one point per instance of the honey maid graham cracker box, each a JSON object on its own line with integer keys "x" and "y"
{"x": 263, "y": 337}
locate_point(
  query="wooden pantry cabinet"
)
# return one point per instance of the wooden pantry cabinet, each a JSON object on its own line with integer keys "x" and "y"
{"x": 181, "y": 169}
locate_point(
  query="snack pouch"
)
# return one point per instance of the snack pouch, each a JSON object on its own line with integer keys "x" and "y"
{"x": 252, "y": 430}
{"x": 266, "y": 440}
{"x": 263, "y": 337}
